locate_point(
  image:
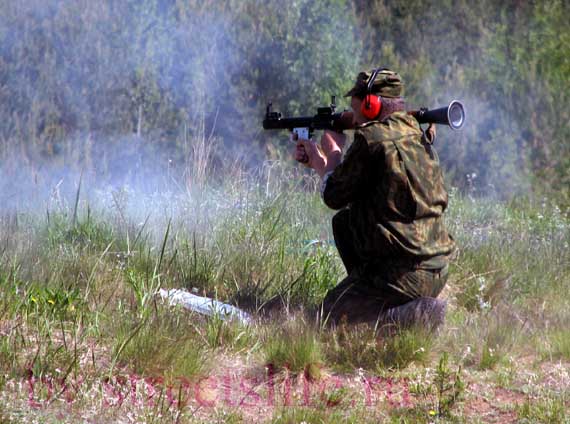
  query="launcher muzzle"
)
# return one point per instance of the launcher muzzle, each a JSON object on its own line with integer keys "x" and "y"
{"x": 452, "y": 115}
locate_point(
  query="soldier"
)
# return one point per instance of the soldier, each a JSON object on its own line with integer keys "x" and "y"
{"x": 390, "y": 194}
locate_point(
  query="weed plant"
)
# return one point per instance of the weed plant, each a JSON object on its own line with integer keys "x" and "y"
{"x": 549, "y": 409}
{"x": 365, "y": 347}
{"x": 294, "y": 347}
{"x": 162, "y": 344}
{"x": 323, "y": 416}
{"x": 558, "y": 344}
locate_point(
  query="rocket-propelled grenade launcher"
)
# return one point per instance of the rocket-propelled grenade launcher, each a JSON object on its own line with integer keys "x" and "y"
{"x": 328, "y": 119}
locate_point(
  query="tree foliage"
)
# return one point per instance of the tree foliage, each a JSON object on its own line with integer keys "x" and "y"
{"x": 98, "y": 85}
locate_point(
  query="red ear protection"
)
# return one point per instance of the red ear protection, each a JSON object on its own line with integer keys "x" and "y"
{"x": 371, "y": 106}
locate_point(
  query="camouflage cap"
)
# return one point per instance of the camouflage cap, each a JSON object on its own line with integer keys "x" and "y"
{"x": 387, "y": 84}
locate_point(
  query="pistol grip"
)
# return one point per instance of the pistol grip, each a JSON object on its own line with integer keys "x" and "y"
{"x": 302, "y": 133}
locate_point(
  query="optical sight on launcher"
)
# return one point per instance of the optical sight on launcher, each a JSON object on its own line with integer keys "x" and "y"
{"x": 328, "y": 119}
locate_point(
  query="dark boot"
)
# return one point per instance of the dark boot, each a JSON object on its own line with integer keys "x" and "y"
{"x": 423, "y": 312}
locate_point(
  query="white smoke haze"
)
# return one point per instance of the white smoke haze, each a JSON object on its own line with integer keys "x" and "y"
{"x": 481, "y": 158}
{"x": 118, "y": 54}
{"x": 159, "y": 102}
{"x": 137, "y": 97}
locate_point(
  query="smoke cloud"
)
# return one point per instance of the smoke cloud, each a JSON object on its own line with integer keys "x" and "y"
{"x": 157, "y": 96}
{"x": 153, "y": 95}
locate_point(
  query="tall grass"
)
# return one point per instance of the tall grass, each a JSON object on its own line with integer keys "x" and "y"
{"x": 364, "y": 347}
{"x": 71, "y": 281}
{"x": 294, "y": 347}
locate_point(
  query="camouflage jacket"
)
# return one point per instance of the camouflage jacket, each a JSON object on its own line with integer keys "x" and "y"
{"x": 391, "y": 181}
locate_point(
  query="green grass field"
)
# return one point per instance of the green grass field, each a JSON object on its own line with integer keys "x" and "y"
{"x": 84, "y": 336}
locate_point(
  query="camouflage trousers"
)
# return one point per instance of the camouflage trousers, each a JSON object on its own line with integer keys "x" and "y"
{"x": 371, "y": 290}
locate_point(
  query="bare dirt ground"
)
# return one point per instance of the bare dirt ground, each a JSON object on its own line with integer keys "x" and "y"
{"x": 240, "y": 390}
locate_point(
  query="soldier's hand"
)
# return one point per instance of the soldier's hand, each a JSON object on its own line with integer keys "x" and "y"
{"x": 431, "y": 133}
{"x": 309, "y": 154}
{"x": 300, "y": 154}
